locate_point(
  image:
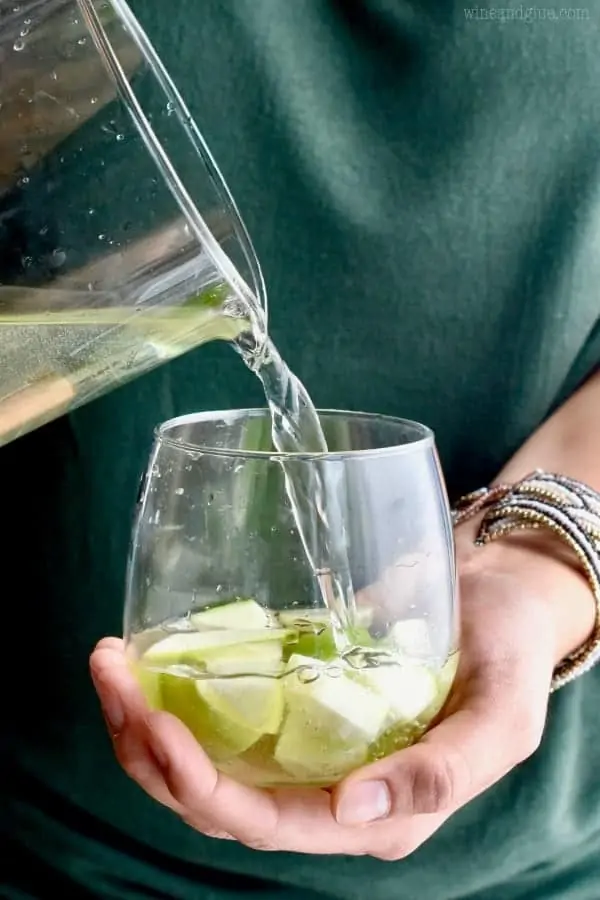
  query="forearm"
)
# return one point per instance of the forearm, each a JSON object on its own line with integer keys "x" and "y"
{"x": 568, "y": 443}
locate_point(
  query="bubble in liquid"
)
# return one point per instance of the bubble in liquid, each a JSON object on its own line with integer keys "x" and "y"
{"x": 19, "y": 45}
{"x": 179, "y": 491}
{"x": 120, "y": 137}
{"x": 101, "y": 237}
{"x": 54, "y": 76}
{"x": 23, "y": 180}
{"x": 93, "y": 100}
{"x": 43, "y": 230}
{"x": 82, "y": 41}
{"x": 170, "y": 108}
{"x": 91, "y": 211}
{"x": 27, "y": 21}
{"x": 24, "y": 32}
{"x": 307, "y": 674}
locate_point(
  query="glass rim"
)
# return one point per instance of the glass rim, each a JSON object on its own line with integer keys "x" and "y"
{"x": 162, "y": 438}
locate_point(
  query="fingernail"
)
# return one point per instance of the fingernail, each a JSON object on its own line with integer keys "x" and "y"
{"x": 364, "y": 802}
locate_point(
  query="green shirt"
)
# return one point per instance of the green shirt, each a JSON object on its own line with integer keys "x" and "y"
{"x": 421, "y": 185}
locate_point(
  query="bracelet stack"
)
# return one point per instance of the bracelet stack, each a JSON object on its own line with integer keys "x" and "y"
{"x": 555, "y": 503}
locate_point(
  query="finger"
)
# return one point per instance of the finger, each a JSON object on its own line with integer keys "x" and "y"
{"x": 292, "y": 820}
{"x": 117, "y": 689}
{"x": 499, "y": 723}
{"x": 125, "y": 711}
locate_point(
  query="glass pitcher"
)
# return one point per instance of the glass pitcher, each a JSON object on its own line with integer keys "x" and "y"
{"x": 91, "y": 125}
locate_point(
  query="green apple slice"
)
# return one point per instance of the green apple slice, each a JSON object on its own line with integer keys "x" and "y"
{"x": 312, "y": 615}
{"x": 411, "y": 637}
{"x": 316, "y": 757}
{"x": 227, "y": 713}
{"x": 199, "y": 647}
{"x": 241, "y": 614}
{"x": 150, "y": 683}
{"x": 257, "y": 658}
{"x": 407, "y": 689}
{"x": 219, "y": 736}
{"x": 252, "y": 702}
{"x": 330, "y": 721}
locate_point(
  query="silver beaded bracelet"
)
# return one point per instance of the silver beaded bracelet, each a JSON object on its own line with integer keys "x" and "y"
{"x": 567, "y": 508}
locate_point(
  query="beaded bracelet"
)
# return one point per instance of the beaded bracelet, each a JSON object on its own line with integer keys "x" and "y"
{"x": 563, "y": 506}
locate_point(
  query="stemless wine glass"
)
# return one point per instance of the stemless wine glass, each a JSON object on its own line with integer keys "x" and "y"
{"x": 225, "y": 622}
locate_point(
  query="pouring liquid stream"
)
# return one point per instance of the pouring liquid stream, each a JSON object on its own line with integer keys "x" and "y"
{"x": 296, "y": 429}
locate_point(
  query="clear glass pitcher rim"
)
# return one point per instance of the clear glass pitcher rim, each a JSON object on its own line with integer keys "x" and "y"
{"x": 193, "y": 134}
{"x": 425, "y": 441}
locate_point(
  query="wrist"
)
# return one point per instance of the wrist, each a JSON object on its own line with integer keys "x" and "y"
{"x": 544, "y": 569}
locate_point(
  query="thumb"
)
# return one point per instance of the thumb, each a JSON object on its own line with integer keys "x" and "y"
{"x": 496, "y": 726}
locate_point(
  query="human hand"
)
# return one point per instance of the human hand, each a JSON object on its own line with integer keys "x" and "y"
{"x": 513, "y": 600}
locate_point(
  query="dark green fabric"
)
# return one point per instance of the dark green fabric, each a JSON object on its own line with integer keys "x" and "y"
{"x": 422, "y": 189}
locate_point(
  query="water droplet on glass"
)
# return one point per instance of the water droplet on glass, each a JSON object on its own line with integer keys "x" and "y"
{"x": 53, "y": 76}
{"x": 19, "y": 45}
{"x": 82, "y": 41}
{"x": 179, "y": 491}
{"x": 24, "y": 32}
{"x": 93, "y": 100}
{"x": 16, "y": 7}
{"x": 27, "y": 21}
{"x": 23, "y": 180}
{"x": 91, "y": 211}
{"x": 170, "y": 108}
{"x": 110, "y": 127}
{"x": 59, "y": 257}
